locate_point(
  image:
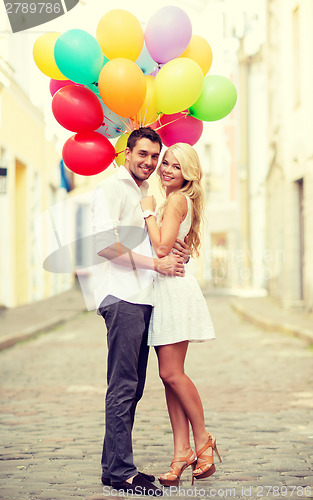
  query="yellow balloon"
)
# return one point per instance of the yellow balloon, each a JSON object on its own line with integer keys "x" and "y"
{"x": 178, "y": 85}
{"x": 120, "y": 147}
{"x": 120, "y": 35}
{"x": 43, "y": 53}
{"x": 199, "y": 50}
{"x": 148, "y": 112}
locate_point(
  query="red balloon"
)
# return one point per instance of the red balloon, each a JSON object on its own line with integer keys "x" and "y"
{"x": 56, "y": 85}
{"x": 77, "y": 108}
{"x": 179, "y": 127}
{"x": 88, "y": 153}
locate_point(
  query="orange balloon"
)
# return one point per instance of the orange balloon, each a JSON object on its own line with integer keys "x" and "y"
{"x": 120, "y": 34}
{"x": 122, "y": 86}
{"x": 148, "y": 112}
{"x": 200, "y": 51}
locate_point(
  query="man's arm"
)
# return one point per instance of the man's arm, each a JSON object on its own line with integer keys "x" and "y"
{"x": 105, "y": 213}
{"x": 171, "y": 265}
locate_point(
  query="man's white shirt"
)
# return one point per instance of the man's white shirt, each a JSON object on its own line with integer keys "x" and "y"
{"x": 117, "y": 218}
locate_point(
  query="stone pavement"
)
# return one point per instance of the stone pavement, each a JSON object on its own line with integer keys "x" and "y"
{"x": 256, "y": 387}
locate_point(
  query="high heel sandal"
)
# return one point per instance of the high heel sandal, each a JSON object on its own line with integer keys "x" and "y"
{"x": 173, "y": 476}
{"x": 207, "y": 461}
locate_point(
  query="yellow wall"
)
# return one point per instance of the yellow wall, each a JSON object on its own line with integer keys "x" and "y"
{"x": 22, "y": 135}
{"x": 21, "y": 264}
{"x": 22, "y": 128}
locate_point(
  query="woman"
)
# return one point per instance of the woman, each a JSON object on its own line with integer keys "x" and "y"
{"x": 180, "y": 312}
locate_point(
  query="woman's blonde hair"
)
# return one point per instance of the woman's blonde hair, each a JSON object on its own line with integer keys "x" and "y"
{"x": 192, "y": 173}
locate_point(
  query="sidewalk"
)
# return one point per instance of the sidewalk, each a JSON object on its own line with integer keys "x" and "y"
{"x": 22, "y": 323}
{"x": 267, "y": 313}
{"x": 25, "y": 322}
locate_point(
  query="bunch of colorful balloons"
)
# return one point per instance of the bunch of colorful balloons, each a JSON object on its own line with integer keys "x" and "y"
{"x": 105, "y": 86}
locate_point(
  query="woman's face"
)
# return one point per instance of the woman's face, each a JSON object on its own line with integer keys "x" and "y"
{"x": 170, "y": 173}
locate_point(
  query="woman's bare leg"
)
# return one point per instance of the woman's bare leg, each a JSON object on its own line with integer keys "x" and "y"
{"x": 183, "y": 399}
{"x": 179, "y": 422}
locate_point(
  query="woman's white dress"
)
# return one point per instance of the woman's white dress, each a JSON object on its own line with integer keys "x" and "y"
{"x": 180, "y": 311}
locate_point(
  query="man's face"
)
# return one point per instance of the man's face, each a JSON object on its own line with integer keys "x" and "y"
{"x": 142, "y": 161}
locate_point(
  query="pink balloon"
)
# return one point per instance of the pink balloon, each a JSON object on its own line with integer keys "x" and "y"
{"x": 56, "y": 85}
{"x": 180, "y": 127}
{"x": 168, "y": 34}
{"x": 88, "y": 153}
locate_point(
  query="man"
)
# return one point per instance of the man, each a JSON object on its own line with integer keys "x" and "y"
{"x": 123, "y": 291}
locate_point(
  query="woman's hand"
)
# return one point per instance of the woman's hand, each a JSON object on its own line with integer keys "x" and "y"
{"x": 148, "y": 203}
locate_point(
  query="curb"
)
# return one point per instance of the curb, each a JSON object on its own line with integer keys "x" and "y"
{"x": 33, "y": 331}
{"x": 268, "y": 324}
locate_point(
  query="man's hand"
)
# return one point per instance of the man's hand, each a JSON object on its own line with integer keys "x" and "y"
{"x": 170, "y": 265}
{"x": 181, "y": 249}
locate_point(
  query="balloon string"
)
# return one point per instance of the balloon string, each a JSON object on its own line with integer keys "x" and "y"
{"x": 168, "y": 123}
{"x": 144, "y": 118}
{"x": 118, "y": 128}
{"x": 110, "y": 120}
{"x": 149, "y": 124}
{"x": 122, "y": 151}
{"x": 157, "y": 120}
{"x": 126, "y": 124}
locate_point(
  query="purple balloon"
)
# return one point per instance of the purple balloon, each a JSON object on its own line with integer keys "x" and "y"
{"x": 168, "y": 34}
{"x": 145, "y": 62}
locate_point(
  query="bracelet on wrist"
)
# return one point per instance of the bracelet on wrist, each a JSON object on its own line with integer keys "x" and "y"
{"x": 147, "y": 213}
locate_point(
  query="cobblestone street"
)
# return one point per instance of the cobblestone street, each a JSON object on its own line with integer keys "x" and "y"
{"x": 257, "y": 393}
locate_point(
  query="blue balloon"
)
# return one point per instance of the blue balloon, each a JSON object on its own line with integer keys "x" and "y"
{"x": 145, "y": 61}
{"x": 113, "y": 125}
{"x": 78, "y": 56}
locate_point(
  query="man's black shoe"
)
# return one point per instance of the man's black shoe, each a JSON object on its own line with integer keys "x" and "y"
{"x": 107, "y": 481}
{"x": 139, "y": 486}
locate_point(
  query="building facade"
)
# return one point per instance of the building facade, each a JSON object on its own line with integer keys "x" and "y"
{"x": 289, "y": 181}
{"x": 29, "y": 184}
{"x": 218, "y": 148}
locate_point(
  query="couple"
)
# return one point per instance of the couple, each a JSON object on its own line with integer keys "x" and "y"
{"x": 125, "y": 297}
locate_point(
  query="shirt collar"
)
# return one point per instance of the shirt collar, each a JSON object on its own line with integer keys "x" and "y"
{"x": 124, "y": 175}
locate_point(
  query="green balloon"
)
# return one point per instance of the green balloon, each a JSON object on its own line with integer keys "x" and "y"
{"x": 217, "y": 99}
{"x": 79, "y": 55}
